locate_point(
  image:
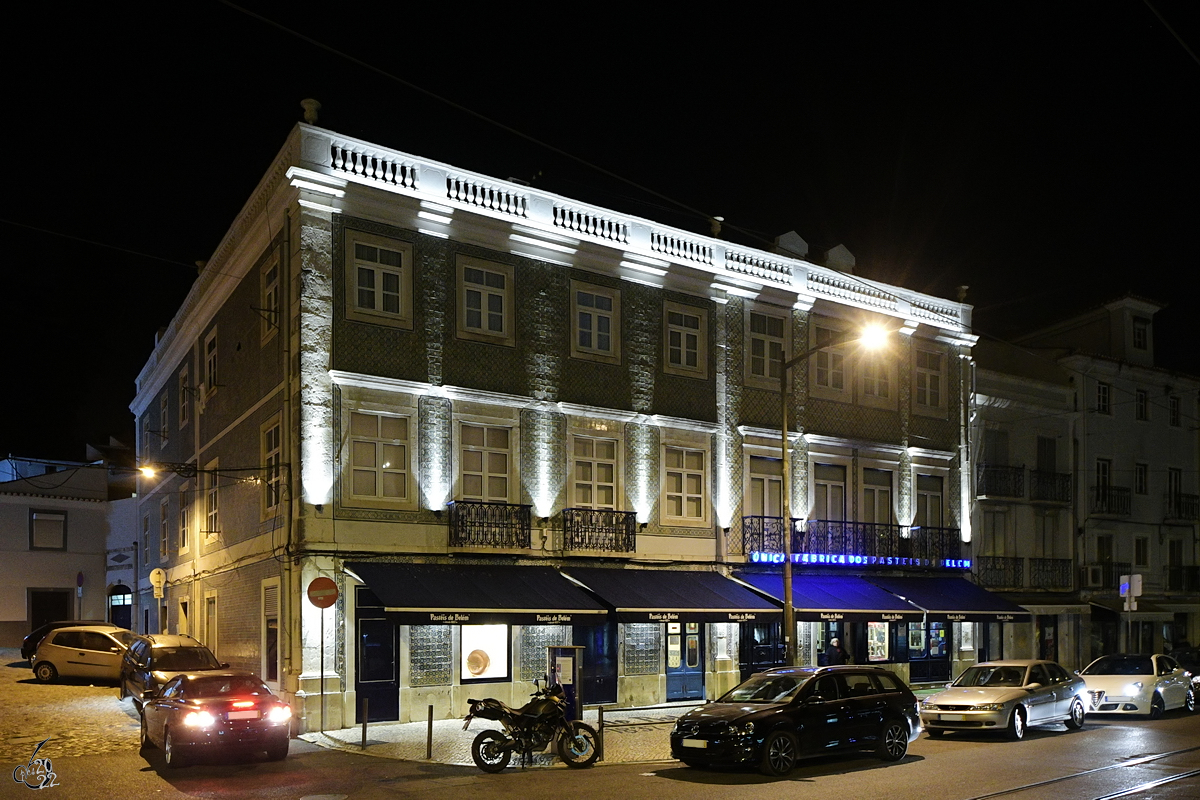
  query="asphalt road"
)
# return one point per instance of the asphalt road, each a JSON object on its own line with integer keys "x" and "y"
{"x": 91, "y": 741}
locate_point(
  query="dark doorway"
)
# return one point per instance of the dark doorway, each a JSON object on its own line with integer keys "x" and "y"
{"x": 685, "y": 661}
{"x": 48, "y": 605}
{"x": 599, "y": 673}
{"x": 1047, "y": 633}
{"x": 760, "y": 646}
{"x": 377, "y": 679}
{"x": 120, "y": 606}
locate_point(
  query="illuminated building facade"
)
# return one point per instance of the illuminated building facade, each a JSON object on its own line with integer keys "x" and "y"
{"x": 500, "y": 419}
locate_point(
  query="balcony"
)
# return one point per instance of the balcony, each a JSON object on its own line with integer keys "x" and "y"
{"x": 500, "y": 525}
{"x": 1183, "y": 579}
{"x": 1000, "y": 572}
{"x": 873, "y": 539}
{"x": 1053, "y": 487}
{"x": 764, "y": 534}
{"x": 1051, "y": 574}
{"x": 1105, "y": 575}
{"x": 1114, "y": 500}
{"x": 1182, "y": 506}
{"x": 599, "y": 530}
{"x": 1000, "y": 481}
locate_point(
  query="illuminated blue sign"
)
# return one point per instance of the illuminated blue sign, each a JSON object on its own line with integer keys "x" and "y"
{"x": 824, "y": 559}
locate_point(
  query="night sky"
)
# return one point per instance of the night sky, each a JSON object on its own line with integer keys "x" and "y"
{"x": 1044, "y": 154}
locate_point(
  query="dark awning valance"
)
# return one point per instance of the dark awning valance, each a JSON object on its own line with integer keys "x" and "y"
{"x": 953, "y": 599}
{"x": 453, "y": 594}
{"x": 658, "y": 595}
{"x": 835, "y": 598}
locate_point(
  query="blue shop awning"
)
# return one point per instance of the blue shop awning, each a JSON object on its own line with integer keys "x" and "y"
{"x": 953, "y": 599}
{"x": 468, "y": 594}
{"x": 659, "y": 595}
{"x": 835, "y": 598}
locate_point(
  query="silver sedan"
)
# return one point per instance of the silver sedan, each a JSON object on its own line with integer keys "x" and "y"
{"x": 1007, "y": 696}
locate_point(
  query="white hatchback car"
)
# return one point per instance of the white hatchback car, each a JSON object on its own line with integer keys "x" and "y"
{"x": 82, "y": 651}
{"x": 1138, "y": 684}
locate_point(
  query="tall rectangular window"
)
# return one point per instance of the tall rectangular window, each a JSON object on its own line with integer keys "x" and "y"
{"x": 485, "y": 462}
{"x": 1141, "y": 474}
{"x": 829, "y": 492}
{"x": 212, "y": 504}
{"x": 766, "y": 485}
{"x": 830, "y": 370}
{"x": 928, "y": 378}
{"x": 1103, "y": 473}
{"x": 1047, "y": 454}
{"x": 595, "y": 322}
{"x": 686, "y": 340}
{"x": 379, "y": 455}
{"x": 929, "y": 501}
{"x": 1141, "y": 333}
{"x": 272, "y": 459}
{"x": 685, "y": 482}
{"x": 164, "y": 420}
{"x": 210, "y": 362}
{"x": 877, "y": 496}
{"x": 875, "y": 377}
{"x": 1103, "y": 398}
{"x": 1141, "y": 404}
{"x": 1141, "y": 551}
{"x": 270, "y": 300}
{"x": 1173, "y": 411}
{"x": 594, "y": 473}
{"x": 184, "y": 397}
{"x": 379, "y": 280}
{"x": 486, "y": 301}
{"x": 164, "y": 529}
{"x": 765, "y": 356}
{"x": 185, "y": 518}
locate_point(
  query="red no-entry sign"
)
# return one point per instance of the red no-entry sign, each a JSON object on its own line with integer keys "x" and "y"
{"x": 322, "y": 592}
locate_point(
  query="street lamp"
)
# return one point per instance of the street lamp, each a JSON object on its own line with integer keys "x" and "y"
{"x": 871, "y": 337}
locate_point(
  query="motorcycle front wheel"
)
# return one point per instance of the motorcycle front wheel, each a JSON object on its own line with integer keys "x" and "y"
{"x": 579, "y": 748}
{"x": 489, "y": 751}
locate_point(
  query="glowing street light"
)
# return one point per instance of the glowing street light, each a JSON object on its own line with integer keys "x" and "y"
{"x": 872, "y": 337}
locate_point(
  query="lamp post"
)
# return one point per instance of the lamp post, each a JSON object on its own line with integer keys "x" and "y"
{"x": 871, "y": 337}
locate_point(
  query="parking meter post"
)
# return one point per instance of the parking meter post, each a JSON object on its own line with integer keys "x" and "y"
{"x": 600, "y": 733}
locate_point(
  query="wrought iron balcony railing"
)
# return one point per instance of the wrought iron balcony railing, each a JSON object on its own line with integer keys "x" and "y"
{"x": 1001, "y": 572}
{"x": 765, "y": 534}
{"x": 477, "y": 524}
{"x": 1183, "y": 579}
{"x": 1111, "y": 500}
{"x": 1052, "y": 574}
{"x": 932, "y": 544}
{"x": 844, "y": 538}
{"x": 1000, "y": 481}
{"x": 1105, "y": 575}
{"x": 599, "y": 529}
{"x": 1182, "y": 506}
{"x": 1051, "y": 486}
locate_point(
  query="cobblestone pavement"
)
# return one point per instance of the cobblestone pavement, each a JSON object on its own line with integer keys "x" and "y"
{"x": 78, "y": 718}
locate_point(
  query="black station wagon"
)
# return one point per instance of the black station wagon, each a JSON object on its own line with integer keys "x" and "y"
{"x": 777, "y": 717}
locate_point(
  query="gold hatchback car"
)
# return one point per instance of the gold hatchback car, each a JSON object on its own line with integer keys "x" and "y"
{"x": 82, "y": 651}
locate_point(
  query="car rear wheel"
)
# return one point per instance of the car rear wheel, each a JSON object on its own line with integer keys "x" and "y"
{"x": 780, "y": 750}
{"x": 893, "y": 742}
{"x": 1016, "y": 724}
{"x": 1157, "y": 707}
{"x": 1189, "y": 700}
{"x": 1075, "y": 721}
{"x": 278, "y": 751}
{"x": 173, "y": 752}
{"x": 145, "y": 736}
{"x": 45, "y": 672}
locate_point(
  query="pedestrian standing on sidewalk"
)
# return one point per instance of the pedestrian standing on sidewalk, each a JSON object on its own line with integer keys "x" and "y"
{"x": 834, "y": 653}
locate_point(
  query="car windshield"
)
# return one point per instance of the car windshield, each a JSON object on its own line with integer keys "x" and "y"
{"x": 985, "y": 675}
{"x": 243, "y": 685}
{"x": 766, "y": 689}
{"x": 124, "y": 637}
{"x": 182, "y": 659}
{"x": 1120, "y": 665}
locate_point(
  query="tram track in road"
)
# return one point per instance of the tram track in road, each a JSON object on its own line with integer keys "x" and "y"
{"x": 1127, "y": 792}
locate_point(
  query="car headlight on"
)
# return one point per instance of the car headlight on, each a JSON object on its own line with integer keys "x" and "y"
{"x": 1133, "y": 688}
{"x": 279, "y": 714}
{"x": 745, "y": 729}
{"x": 199, "y": 719}
{"x": 989, "y": 707}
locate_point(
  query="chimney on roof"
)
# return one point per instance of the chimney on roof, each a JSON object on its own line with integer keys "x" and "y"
{"x": 962, "y": 293}
{"x": 841, "y": 259}
{"x": 311, "y": 107}
{"x": 790, "y": 244}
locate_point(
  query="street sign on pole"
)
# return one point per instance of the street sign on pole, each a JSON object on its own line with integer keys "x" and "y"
{"x": 322, "y": 593}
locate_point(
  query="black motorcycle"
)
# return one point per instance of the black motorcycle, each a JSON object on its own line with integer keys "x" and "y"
{"x": 530, "y": 729}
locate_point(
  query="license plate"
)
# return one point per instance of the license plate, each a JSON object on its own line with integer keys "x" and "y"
{"x": 951, "y": 717}
{"x": 694, "y": 742}
{"x": 242, "y": 715}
